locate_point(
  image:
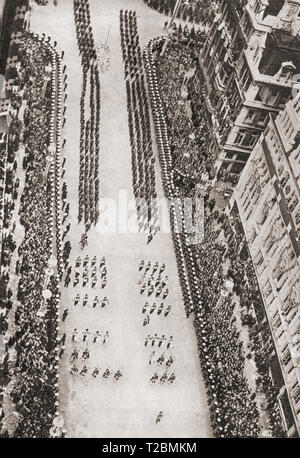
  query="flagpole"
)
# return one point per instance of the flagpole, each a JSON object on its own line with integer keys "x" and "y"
{"x": 107, "y": 36}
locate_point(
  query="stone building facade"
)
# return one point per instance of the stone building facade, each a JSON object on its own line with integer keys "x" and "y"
{"x": 251, "y": 65}
{"x": 267, "y": 198}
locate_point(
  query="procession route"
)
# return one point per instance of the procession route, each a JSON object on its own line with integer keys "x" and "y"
{"x": 104, "y": 407}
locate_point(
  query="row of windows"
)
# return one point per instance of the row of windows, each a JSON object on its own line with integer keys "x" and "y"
{"x": 286, "y": 356}
{"x": 272, "y": 95}
{"x": 257, "y": 117}
{"x": 246, "y": 138}
{"x": 276, "y": 145}
{"x": 297, "y": 105}
{"x": 296, "y": 394}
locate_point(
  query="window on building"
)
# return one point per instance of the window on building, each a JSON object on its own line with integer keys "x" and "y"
{"x": 270, "y": 244}
{"x": 292, "y": 314}
{"x": 262, "y": 118}
{"x": 245, "y": 77}
{"x": 273, "y": 95}
{"x": 283, "y": 97}
{"x": 245, "y": 138}
{"x": 284, "y": 181}
{"x": 241, "y": 66}
{"x": 240, "y": 137}
{"x": 237, "y": 167}
{"x": 297, "y": 106}
{"x": 256, "y": 52}
{"x": 230, "y": 154}
{"x": 276, "y": 322}
{"x": 250, "y": 116}
{"x": 296, "y": 392}
{"x": 290, "y": 131}
{"x": 258, "y": 259}
{"x": 286, "y": 308}
{"x": 259, "y": 95}
{"x": 257, "y": 7}
{"x": 293, "y": 204}
{"x": 297, "y": 218}
{"x": 249, "y": 140}
{"x": 247, "y": 26}
{"x": 286, "y": 357}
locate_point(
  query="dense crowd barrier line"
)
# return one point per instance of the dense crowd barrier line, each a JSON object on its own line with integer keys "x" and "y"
{"x": 31, "y": 361}
{"x": 166, "y": 168}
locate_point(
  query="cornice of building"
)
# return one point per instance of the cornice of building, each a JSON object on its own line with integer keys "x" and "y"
{"x": 262, "y": 26}
{"x": 259, "y": 78}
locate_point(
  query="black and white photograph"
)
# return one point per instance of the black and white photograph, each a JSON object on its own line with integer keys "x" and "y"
{"x": 149, "y": 222}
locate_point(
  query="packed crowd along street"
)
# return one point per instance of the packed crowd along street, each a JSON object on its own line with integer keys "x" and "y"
{"x": 143, "y": 293}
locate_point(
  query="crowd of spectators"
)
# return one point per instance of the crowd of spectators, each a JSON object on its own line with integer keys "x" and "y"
{"x": 237, "y": 413}
{"x": 205, "y": 269}
{"x": 191, "y": 158}
{"x": 32, "y": 287}
{"x": 214, "y": 274}
{"x": 196, "y": 11}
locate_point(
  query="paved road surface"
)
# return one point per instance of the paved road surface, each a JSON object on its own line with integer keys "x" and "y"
{"x": 127, "y": 408}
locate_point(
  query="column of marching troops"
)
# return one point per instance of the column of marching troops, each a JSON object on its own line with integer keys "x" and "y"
{"x": 144, "y": 185}
{"x": 89, "y": 128}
